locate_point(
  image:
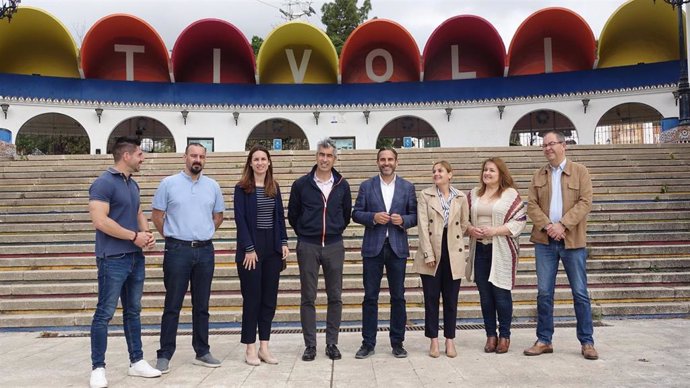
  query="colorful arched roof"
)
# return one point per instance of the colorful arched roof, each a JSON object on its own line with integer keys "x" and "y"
{"x": 480, "y": 50}
{"x": 35, "y": 42}
{"x": 102, "y": 56}
{"x": 379, "y": 34}
{"x": 639, "y": 31}
{"x": 193, "y": 56}
{"x": 572, "y": 44}
{"x": 293, "y": 40}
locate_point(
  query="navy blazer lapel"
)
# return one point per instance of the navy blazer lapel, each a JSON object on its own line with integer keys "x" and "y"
{"x": 398, "y": 197}
{"x": 377, "y": 192}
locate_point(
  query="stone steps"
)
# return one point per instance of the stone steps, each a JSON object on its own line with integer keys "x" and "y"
{"x": 226, "y": 264}
{"x": 601, "y": 210}
{"x": 291, "y": 298}
{"x": 639, "y": 234}
{"x": 605, "y": 192}
{"x": 82, "y": 232}
{"x": 605, "y": 250}
{"x": 226, "y": 170}
{"x": 80, "y": 222}
{"x": 351, "y": 313}
{"x": 39, "y": 284}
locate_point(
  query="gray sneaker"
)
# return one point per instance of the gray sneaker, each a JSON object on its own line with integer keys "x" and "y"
{"x": 163, "y": 365}
{"x": 207, "y": 360}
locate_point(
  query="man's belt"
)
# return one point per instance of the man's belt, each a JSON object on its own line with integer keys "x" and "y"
{"x": 193, "y": 244}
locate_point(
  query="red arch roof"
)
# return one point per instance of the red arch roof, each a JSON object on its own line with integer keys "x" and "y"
{"x": 193, "y": 57}
{"x": 99, "y": 59}
{"x": 572, "y": 41}
{"x": 480, "y": 49}
{"x": 383, "y": 34}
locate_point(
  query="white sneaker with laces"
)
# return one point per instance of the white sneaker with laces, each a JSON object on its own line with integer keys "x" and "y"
{"x": 142, "y": 368}
{"x": 98, "y": 379}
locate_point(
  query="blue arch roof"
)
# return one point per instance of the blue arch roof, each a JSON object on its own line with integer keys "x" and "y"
{"x": 27, "y": 86}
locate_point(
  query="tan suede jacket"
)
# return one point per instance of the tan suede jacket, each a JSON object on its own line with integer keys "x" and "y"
{"x": 576, "y": 187}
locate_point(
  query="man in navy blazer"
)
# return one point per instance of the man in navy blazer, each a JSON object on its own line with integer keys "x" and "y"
{"x": 387, "y": 206}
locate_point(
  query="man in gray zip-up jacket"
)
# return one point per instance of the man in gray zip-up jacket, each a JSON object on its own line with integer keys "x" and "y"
{"x": 319, "y": 211}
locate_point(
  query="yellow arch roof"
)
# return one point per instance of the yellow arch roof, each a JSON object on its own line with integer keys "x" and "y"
{"x": 639, "y": 31}
{"x": 272, "y": 62}
{"x": 35, "y": 42}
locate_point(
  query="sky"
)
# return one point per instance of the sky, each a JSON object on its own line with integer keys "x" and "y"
{"x": 259, "y": 17}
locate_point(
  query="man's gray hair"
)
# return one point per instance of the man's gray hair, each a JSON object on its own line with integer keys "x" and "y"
{"x": 327, "y": 143}
{"x": 559, "y": 135}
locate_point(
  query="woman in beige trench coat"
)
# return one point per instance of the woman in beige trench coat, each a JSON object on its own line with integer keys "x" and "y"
{"x": 443, "y": 217}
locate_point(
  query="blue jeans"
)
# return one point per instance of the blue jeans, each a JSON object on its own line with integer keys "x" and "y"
{"x": 183, "y": 264}
{"x": 494, "y": 300}
{"x": 575, "y": 263}
{"x": 119, "y": 276}
{"x": 373, "y": 272}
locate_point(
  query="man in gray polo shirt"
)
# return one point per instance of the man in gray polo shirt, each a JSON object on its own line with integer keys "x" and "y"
{"x": 187, "y": 209}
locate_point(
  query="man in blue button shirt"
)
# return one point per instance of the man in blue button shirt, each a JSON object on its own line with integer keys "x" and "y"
{"x": 187, "y": 210}
{"x": 121, "y": 233}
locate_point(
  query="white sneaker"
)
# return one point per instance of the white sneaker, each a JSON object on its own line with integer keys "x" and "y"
{"x": 142, "y": 368}
{"x": 98, "y": 378}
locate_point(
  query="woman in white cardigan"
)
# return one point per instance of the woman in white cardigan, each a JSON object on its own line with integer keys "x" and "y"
{"x": 497, "y": 217}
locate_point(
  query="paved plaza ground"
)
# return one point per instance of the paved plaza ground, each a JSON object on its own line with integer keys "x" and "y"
{"x": 639, "y": 353}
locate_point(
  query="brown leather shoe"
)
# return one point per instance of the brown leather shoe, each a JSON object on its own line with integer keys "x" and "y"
{"x": 538, "y": 348}
{"x": 503, "y": 345}
{"x": 490, "y": 346}
{"x": 589, "y": 352}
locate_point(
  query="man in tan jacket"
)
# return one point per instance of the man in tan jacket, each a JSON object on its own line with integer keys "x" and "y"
{"x": 560, "y": 198}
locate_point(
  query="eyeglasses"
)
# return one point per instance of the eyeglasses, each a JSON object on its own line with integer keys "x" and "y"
{"x": 551, "y": 144}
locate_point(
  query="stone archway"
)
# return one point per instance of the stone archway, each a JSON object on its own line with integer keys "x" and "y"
{"x": 408, "y": 132}
{"x": 291, "y": 136}
{"x": 629, "y": 123}
{"x": 529, "y": 130}
{"x": 52, "y": 134}
{"x": 155, "y": 136}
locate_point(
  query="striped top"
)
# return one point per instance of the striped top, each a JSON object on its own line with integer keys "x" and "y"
{"x": 445, "y": 203}
{"x": 265, "y": 206}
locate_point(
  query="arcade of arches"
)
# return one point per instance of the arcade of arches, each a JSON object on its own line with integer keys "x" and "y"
{"x": 630, "y": 123}
{"x": 55, "y": 133}
{"x": 290, "y": 134}
{"x": 52, "y": 134}
{"x": 155, "y": 137}
{"x": 529, "y": 130}
{"x": 420, "y": 133}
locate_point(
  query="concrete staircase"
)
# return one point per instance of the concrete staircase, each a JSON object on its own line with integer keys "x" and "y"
{"x": 639, "y": 234}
